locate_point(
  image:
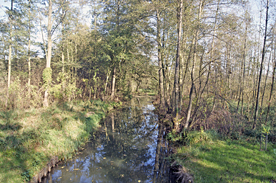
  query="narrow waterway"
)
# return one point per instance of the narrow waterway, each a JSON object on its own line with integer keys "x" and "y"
{"x": 129, "y": 147}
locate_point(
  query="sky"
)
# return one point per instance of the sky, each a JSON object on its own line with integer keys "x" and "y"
{"x": 3, "y": 3}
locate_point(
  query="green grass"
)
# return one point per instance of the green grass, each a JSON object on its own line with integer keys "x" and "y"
{"x": 228, "y": 161}
{"x": 28, "y": 139}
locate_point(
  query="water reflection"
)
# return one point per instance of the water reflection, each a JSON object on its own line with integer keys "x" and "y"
{"x": 128, "y": 148}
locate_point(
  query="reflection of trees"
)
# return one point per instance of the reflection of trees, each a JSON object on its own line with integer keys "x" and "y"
{"x": 161, "y": 165}
{"x": 128, "y": 148}
{"x": 124, "y": 152}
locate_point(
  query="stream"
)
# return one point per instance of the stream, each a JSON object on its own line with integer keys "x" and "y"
{"x": 129, "y": 147}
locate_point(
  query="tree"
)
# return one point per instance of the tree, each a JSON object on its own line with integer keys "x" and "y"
{"x": 176, "y": 75}
{"x": 10, "y": 51}
{"x": 261, "y": 68}
{"x": 47, "y": 73}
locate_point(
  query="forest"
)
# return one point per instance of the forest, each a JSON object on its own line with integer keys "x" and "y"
{"x": 209, "y": 63}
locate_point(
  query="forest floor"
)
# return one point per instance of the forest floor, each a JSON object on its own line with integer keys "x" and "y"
{"x": 28, "y": 139}
{"x": 228, "y": 161}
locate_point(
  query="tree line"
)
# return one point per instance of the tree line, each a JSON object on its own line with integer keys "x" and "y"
{"x": 202, "y": 57}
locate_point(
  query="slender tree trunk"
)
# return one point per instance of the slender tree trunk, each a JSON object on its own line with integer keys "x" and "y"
{"x": 106, "y": 81}
{"x": 29, "y": 55}
{"x": 62, "y": 49}
{"x": 176, "y": 75}
{"x": 29, "y": 66}
{"x": 271, "y": 92}
{"x": 112, "y": 123}
{"x": 42, "y": 36}
{"x": 200, "y": 92}
{"x": 114, "y": 59}
{"x": 261, "y": 69}
{"x": 164, "y": 62}
{"x": 254, "y": 70}
{"x": 186, "y": 68}
{"x": 10, "y": 54}
{"x": 113, "y": 83}
{"x": 49, "y": 49}
{"x": 62, "y": 61}
{"x": 9, "y": 66}
{"x": 272, "y": 85}
{"x": 240, "y": 87}
{"x": 167, "y": 83}
{"x": 182, "y": 73}
{"x": 189, "y": 109}
{"x": 67, "y": 50}
{"x": 268, "y": 64}
{"x": 49, "y": 35}
{"x": 243, "y": 75}
{"x": 160, "y": 71}
{"x": 195, "y": 41}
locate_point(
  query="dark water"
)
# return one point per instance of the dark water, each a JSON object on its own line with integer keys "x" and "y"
{"x": 129, "y": 147}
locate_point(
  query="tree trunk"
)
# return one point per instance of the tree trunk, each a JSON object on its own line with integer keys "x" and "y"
{"x": 272, "y": 85}
{"x": 49, "y": 49}
{"x": 261, "y": 69}
{"x": 195, "y": 40}
{"x": 29, "y": 55}
{"x": 243, "y": 75}
{"x": 113, "y": 83}
{"x": 268, "y": 64}
{"x": 160, "y": 71}
{"x": 176, "y": 75}
{"x": 62, "y": 70}
{"x": 106, "y": 81}
{"x": 10, "y": 55}
{"x": 29, "y": 67}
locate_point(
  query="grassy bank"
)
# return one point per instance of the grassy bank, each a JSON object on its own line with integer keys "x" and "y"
{"x": 211, "y": 159}
{"x": 28, "y": 139}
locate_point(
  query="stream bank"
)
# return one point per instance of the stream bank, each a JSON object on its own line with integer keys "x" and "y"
{"x": 34, "y": 140}
{"x": 129, "y": 147}
{"x": 209, "y": 155}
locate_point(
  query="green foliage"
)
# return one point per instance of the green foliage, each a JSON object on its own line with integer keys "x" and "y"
{"x": 26, "y": 176}
{"x": 115, "y": 104}
{"x": 193, "y": 137}
{"x": 265, "y": 129}
{"x": 127, "y": 94}
{"x": 47, "y": 77}
{"x": 16, "y": 94}
{"x": 65, "y": 89}
{"x": 177, "y": 137}
{"x": 36, "y": 97}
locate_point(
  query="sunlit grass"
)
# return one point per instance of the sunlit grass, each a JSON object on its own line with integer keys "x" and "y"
{"x": 228, "y": 161}
{"x": 29, "y": 138}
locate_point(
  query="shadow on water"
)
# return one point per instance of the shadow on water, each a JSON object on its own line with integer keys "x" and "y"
{"x": 129, "y": 147}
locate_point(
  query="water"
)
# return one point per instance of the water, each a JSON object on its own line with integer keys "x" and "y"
{"x": 125, "y": 149}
